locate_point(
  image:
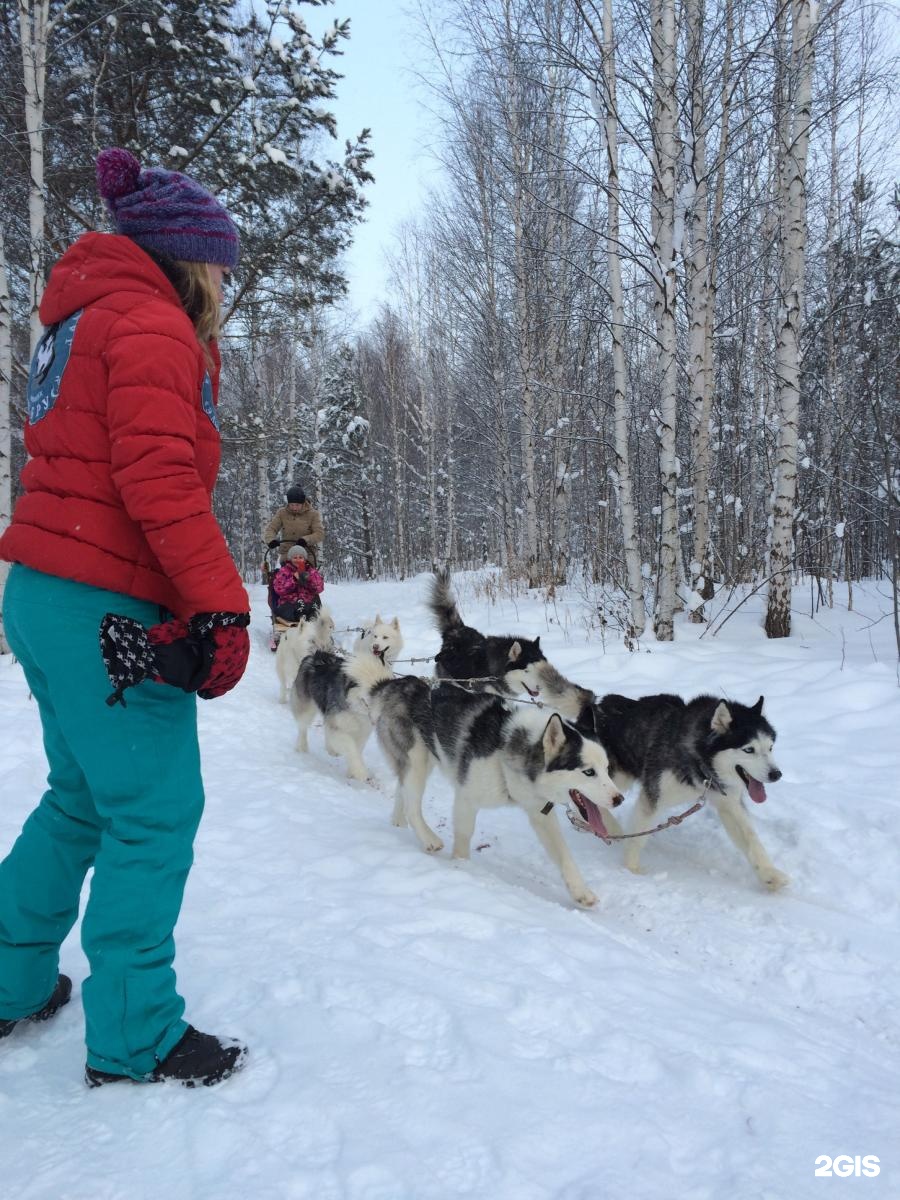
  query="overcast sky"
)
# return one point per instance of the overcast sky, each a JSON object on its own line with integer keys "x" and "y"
{"x": 379, "y": 90}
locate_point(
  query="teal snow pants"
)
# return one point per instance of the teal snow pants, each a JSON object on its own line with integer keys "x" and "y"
{"x": 124, "y": 795}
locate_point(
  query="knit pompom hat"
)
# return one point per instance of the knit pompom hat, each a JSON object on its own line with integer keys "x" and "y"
{"x": 166, "y": 211}
{"x": 297, "y": 552}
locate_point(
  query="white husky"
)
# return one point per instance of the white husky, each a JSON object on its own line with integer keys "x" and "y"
{"x": 298, "y": 641}
{"x": 338, "y": 688}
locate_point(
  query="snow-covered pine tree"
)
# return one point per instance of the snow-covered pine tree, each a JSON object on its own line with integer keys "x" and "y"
{"x": 344, "y": 468}
{"x": 237, "y": 97}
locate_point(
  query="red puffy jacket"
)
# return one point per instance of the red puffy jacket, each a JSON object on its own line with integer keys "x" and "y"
{"x": 123, "y": 438}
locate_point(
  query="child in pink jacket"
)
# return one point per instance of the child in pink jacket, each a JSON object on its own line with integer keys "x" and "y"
{"x": 297, "y": 587}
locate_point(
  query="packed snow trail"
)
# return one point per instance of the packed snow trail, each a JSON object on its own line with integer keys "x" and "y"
{"x": 424, "y": 1030}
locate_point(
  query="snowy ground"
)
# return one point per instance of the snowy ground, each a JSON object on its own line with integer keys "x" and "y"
{"x": 423, "y": 1030}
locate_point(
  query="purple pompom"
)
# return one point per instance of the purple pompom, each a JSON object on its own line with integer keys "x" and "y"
{"x": 117, "y": 173}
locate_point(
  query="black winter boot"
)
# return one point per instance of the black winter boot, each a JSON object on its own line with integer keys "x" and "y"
{"x": 199, "y": 1058}
{"x": 61, "y": 994}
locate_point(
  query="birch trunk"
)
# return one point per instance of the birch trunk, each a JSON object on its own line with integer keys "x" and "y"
{"x": 450, "y": 503}
{"x": 5, "y": 419}
{"x": 701, "y": 287}
{"x": 703, "y": 549}
{"x": 365, "y": 514}
{"x": 262, "y": 485}
{"x": 530, "y": 548}
{"x": 504, "y": 491}
{"x": 399, "y": 474}
{"x": 34, "y": 33}
{"x": 664, "y": 172}
{"x": 623, "y": 481}
{"x": 557, "y": 255}
{"x": 831, "y": 459}
{"x": 320, "y": 432}
{"x": 521, "y": 214}
{"x": 787, "y": 350}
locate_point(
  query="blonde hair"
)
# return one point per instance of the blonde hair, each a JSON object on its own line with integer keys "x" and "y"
{"x": 200, "y": 297}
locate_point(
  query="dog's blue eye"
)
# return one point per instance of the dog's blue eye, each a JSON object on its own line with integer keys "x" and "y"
{"x": 749, "y": 750}
{"x": 589, "y": 771}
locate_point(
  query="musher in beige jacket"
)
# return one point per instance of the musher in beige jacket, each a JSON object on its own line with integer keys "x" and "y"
{"x": 298, "y": 523}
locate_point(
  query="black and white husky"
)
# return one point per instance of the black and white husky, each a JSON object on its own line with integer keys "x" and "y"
{"x": 495, "y": 753}
{"x": 679, "y": 751}
{"x": 482, "y": 662}
{"x": 338, "y": 688}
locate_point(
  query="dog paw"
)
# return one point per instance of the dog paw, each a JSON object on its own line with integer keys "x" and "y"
{"x": 636, "y": 868}
{"x": 585, "y": 899}
{"x": 774, "y": 879}
{"x": 432, "y": 845}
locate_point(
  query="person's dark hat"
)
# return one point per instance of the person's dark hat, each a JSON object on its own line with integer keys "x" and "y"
{"x": 296, "y": 495}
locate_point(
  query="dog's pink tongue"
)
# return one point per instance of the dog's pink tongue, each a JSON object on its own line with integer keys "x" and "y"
{"x": 757, "y": 790}
{"x": 595, "y": 820}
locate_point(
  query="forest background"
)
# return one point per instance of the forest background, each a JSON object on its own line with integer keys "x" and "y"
{"x": 641, "y": 335}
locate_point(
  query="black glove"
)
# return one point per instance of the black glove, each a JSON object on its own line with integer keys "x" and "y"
{"x": 185, "y": 655}
{"x": 301, "y": 542}
{"x": 275, "y": 542}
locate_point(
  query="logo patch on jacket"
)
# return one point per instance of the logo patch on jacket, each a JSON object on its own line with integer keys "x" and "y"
{"x": 51, "y": 356}
{"x": 206, "y": 400}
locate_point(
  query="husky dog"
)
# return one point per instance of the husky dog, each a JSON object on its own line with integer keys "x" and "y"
{"x": 494, "y": 754}
{"x": 679, "y": 751}
{"x": 338, "y": 688}
{"x": 297, "y": 642}
{"x": 509, "y": 663}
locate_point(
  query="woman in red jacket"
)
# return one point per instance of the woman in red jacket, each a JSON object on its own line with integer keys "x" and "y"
{"x": 115, "y": 528}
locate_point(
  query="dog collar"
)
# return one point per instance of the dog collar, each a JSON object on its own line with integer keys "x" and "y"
{"x": 548, "y": 807}
{"x": 715, "y": 784}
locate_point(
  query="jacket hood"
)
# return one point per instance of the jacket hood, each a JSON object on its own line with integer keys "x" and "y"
{"x": 95, "y": 266}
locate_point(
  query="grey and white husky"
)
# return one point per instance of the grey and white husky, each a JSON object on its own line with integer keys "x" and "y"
{"x": 494, "y": 753}
{"x": 481, "y": 662}
{"x": 679, "y": 751}
{"x": 339, "y": 688}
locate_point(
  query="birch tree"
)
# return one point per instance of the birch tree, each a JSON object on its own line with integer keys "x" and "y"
{"x": 622, "y": 477}
{"x": 699, "y": 298}
{"x": 665, "y": 160}
{"x": 35, "y": 30}
{"x": 793, "y": 232}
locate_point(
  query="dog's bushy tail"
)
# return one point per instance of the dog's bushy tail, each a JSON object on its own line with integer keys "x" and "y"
{"x": 568, "y": 698}
{"x": 442, "y": 602}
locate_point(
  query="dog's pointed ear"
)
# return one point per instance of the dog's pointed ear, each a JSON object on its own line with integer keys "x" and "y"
{"x": 721, "y": 718}
{"x": 396, "y": 622}
{"x": 554, "y": 738}
{"x": 757, "y": 707}
{"x": 515, "y": 652}
{"x": 377, "y": 620}
{"x": 537, "y": 643}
